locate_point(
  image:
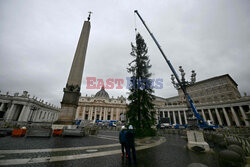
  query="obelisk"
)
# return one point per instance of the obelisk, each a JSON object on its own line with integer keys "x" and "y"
{"x": 72, "y": 90}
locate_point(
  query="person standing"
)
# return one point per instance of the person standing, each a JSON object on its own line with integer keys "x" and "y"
{"x": 123, "y": 140}
{"x": 131, "y": 143}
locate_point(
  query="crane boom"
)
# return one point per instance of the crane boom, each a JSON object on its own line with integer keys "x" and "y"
{"x": 202, "y": 122}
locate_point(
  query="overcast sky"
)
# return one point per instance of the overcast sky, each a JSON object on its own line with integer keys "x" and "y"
{"x": 38, "y": 40}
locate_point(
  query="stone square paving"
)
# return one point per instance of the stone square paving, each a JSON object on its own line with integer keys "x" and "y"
{"x": 101, "y": 150}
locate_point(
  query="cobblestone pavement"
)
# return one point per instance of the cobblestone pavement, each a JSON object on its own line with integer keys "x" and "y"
{"x": 14, "y": 143}
{"x": 97, "y": 151}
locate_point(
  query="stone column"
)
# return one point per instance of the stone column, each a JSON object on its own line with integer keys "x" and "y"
{"x": 9, "y": 113}
{"x": 174, "y": 117}
{"x": 35, "y": 116}
{"x": 42, "y": 114}
{"x": 203, "y": 114}
{"x": 77, "y": 112}
{"x": 55, "y": 116}
{"x": 90, "y": 112}
{"x": 185, "y": 116}
{"x": 218, "y": 116}
{"x": 24, "y": 114}
{"x": 95, "y": 115}
{"x": 38, "y": 114}
{"x": 235, "y": 117}
{"x": 1, "y": 106}
{"x": 105, "y": 114}
{"x": 31, "y": 114}
{"x": 226, "y": 116}
{"x": 52, "y": 116}
{"x": 117, "y": 114}
{"x": 179, "y": 114}
{"x": 112, "y": 112}
{"x": 244, "y": 116}
{"x": 168, "y": 114}
{"x": 210, "y": 115}
{"x": 48, "y": 116}
{"x": 100, "y": 114}
{"x": 163, "y": 114}
{"x": 84, "y": 112}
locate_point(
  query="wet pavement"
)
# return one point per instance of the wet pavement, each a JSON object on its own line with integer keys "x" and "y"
{"x": 171, "y": 153}
{"x": 13, "y": 143}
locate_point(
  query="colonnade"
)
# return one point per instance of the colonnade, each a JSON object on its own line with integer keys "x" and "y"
{"x": 24, "y": 112}
{"x": 94, "y": 113}
{"x": 224, "y": 115}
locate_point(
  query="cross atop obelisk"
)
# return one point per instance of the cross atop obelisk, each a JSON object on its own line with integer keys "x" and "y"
{"x": 89, "y": 15}
{"x": 72, "y": 90}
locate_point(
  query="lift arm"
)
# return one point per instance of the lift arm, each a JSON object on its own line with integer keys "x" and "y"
{"x": 197, "y": 115}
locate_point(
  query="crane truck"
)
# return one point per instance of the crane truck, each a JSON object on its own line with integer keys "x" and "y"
{"x": 200, "y": 121}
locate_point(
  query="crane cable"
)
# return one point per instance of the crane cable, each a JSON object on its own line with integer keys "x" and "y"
{"x": 135, "y": 24}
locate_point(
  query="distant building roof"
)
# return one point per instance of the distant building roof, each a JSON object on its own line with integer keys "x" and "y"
{"x": 217, "y": 77}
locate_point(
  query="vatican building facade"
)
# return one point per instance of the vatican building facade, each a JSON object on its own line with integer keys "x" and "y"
{"x": 22, "y": 108}
{"x": 217, "y": 99}
{"x": 101, "y": 107}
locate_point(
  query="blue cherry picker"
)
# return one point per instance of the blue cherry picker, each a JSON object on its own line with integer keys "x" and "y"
{"x": 200, "y": 121}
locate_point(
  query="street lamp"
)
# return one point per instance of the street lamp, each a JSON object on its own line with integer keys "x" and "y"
{"x": 184, "y": 84}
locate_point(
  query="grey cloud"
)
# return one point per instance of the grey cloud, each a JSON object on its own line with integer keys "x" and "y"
{"x": 39, "y": 38}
